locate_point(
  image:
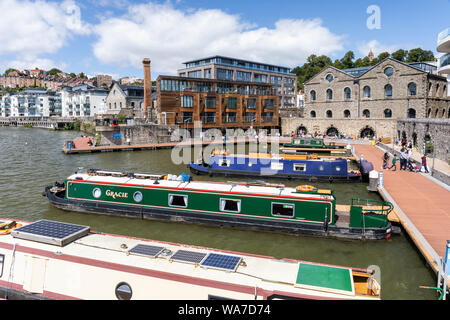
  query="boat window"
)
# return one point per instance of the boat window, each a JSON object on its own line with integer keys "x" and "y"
{"x": 299, "y": 166}
{"x": 283, "y": 209}
{"x": 224, "y": 162}
{"x": 338, "y": 168}
{"x": 123, "y": 291}
{"x": 275, "y": 165}
{"x": 2, "y": 261}
{"x": 97, "y": 193}
{"x": 137, "y": 196}
{"x": 176, "y": 200}
{"x": 230, "y": 205}
{"x": 321, "y": 168}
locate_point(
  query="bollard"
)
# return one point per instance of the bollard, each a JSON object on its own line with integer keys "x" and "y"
{"x": 362, "y": 157}
{"x": 373, "y": 181}
{"x": 380, "y": 180}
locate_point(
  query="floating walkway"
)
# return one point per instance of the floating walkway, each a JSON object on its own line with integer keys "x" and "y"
{"x": 422, "y": 206}
{"x": 82, "y": 146}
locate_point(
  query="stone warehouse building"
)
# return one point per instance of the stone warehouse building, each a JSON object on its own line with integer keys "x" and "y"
{"x": 368, "y": 101}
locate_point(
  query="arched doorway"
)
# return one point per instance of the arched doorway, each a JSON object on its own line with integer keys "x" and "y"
{"x": 332, "y": 132}
{"x": 414, "y": 137}
{"x": 301, "y": 130}
{"x": 428, "y": 144}
{"x": 367, "y": 132}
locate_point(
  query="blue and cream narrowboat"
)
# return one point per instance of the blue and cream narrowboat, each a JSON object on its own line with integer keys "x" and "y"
{"x": 256, "y": 206}
{"x": 304, "y": 167}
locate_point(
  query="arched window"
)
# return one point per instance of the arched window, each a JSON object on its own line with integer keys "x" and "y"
{"x": 312, "y": 95}
{"x": 329, "y": 77}
{"x": 429, "y": 113}
{"x": 329, "y": 94}
{"x": 444, "y": 91}
{"x": 347, "y": 93}
{"x": 366, "y": 92}
{"x": 411, "y": 113}
{"x": 366, "y": 113}
{"x": 347, "y": 113}
{"x": 443, "y": 113}
{"x": 329, "y": 114}
{"x": 388, "y": 90}
{"x": 448, "y": 113}
{"x": 437, "y": 90}
{"x": 313, "y": 114}
{"x": 412, "y": 89}
{"x": 436, "y": 113}
{"x": 387, "y": 113}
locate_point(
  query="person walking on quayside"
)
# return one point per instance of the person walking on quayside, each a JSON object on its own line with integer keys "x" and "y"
{"x": 385, "y": 160}
{"x": 424, "y": 163}
{"x": 394, "y": 163}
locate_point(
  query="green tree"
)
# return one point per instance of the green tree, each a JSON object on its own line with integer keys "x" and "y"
{"x": 54, "y": 72}
{"x": 347, "y": 60}
{"x": 72, "y": 75}
{"x": 314, "y": 64}
{"x": 420, "y": 55}
{"x": 400, "y": 55}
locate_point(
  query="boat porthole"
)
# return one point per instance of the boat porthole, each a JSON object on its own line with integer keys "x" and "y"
{"x": 123, "y": 291}
{"x": 97, "y": 193}
{"x": 137, "y": 196}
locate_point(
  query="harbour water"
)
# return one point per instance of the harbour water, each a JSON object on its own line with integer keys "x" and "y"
{"x": 32, "y": 159}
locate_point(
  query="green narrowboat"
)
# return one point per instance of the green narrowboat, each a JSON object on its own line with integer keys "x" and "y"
{"x": 248, "y": 205}
{"x": 315, "y": 143}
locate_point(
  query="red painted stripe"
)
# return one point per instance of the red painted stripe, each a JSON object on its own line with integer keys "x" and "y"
{"x": 45, "y": 293}
{"x": 202, "y": 190}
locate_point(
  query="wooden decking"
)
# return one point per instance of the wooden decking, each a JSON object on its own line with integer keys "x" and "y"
{"x": 82, "y": 146}
{"x": 423, "y": 205}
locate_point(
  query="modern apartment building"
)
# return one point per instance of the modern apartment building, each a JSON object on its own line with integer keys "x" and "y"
{"x": 83, "y": 101}
{"x": 221, "y": 68}
{"x": 443, "y": 45}
{"x": 27, "y": 103}
{"x": 216, "y": 103}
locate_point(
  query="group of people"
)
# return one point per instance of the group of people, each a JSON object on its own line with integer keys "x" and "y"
{"x": 406, "y": 161}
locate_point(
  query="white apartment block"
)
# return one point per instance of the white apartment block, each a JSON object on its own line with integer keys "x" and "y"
{"x": 83, "y": 101}
{"x": 29, "y": 103}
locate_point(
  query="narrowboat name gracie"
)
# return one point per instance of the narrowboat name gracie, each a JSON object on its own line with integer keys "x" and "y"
{"x": 114, "y": 195}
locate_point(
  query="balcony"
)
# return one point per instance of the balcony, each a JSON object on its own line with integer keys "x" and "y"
{"x": 444, "y": 64}
{"x": 229, "y": 119}
{"x": 210, "y": 119}
{"x": 443, "y": 42}
{"x": 267, "y": 119}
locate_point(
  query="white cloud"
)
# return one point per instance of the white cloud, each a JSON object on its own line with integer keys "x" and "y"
{"x": 378, "y": 48}
{"x": 31, "y": 63}
{"x": 169, "y": 36}
{"x": 32, "y": 28}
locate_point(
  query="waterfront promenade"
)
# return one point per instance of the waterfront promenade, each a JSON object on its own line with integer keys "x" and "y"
{"x": 422, "y": 205}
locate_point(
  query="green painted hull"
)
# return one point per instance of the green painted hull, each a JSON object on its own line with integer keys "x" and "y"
{"x": 312, "y": 211}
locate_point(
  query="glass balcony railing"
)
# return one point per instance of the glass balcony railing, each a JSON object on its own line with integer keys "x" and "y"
{"x": 444, "y": 61}
{"x": 443, "y": 34}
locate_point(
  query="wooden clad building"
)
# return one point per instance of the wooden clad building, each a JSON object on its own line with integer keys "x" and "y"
{"x": 216, "y": 103}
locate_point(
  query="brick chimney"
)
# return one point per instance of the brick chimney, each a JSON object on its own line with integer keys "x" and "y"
{"x": 148, "y": 101}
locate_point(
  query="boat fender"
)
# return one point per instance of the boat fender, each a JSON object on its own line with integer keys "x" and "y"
{"x": 306, "y": 188}
{"x": 325, "y": 224}
{"x": 7, "y": 227}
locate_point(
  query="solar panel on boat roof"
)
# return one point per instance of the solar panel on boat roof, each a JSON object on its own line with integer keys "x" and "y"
{"x": 146, "y": 250}
{"x": 188, "y": 256}
{"x": 51, "y": 232}
{"x": 221, "y": 261}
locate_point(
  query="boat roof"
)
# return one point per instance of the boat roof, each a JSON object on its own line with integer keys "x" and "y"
{"x": 269, "y": 273}
{"x": 176, "y": 182}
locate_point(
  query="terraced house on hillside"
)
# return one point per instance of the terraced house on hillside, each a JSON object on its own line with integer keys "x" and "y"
{"x": 368, "y": 101}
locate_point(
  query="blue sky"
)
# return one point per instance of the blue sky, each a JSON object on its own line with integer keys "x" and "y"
{"x": 112, "y": 36}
